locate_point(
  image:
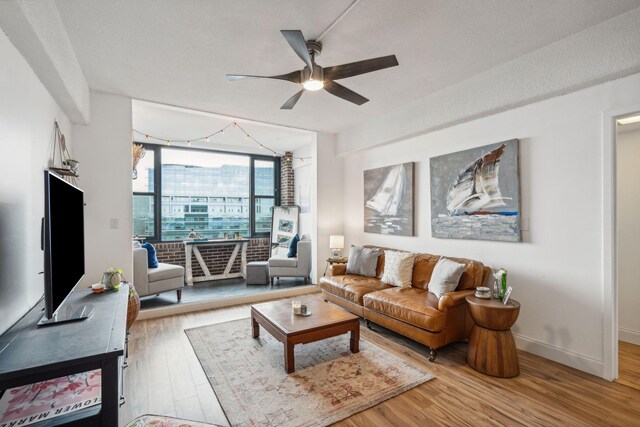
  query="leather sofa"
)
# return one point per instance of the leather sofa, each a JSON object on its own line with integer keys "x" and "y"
{"x": 411, "y": 311}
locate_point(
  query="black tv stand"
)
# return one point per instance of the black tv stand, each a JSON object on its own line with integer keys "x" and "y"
{"x": 68, "y": 313}
{"x": 29, "y": 354}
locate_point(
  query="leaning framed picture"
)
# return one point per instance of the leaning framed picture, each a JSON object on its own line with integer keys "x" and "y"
{"x": 284, "y": 224}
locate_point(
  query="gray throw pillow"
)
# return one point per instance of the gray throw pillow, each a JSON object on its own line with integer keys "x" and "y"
{"x": 445, "y": 277}
{"x": 363, "y": 261}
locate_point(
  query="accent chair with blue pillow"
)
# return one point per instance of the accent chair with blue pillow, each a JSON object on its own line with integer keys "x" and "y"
{"x": 149, "y": 280}
{"x": 298, "y": 265}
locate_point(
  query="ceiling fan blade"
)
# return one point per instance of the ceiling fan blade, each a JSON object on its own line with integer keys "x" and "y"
{"x": 291, "y": 101}
{"x": 360, "y": 67}
{"x": 294, "y": 76}
{"x": 342, "y": 92}
{"x": 299, "y": 45}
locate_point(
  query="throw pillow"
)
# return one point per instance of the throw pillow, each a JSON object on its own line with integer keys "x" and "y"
{"x": 445, "y": 276}
{"x": 136, "y": 244}
{"x": 152, "y": 260}
{"x": 293, "y": 247}
{"x": 363, "y": 261}
{"x": 398, "y": 268}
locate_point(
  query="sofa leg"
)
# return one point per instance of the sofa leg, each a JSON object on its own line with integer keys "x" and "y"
{"x": 179, "y": 292}
{"x": 432, "y": 354}
{"x": 368, "y": 324}
{"x": 271, "y": 281}
{"x": 305, "y": 280}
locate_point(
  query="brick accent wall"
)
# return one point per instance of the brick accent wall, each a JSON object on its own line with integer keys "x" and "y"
{"x": 287, "y": 184}
{"x": 215, "y": 257}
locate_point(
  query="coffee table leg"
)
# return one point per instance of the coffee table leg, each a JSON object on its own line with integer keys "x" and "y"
{"x": 355, "y": 339}
{"x": 289, "y": 363}
{"x": 255, "y": 328}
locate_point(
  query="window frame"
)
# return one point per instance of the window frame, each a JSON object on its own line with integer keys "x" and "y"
{"x": 253, "y": 197}
{"x": 157, "y": 210}
{"x": 157, "y": 186}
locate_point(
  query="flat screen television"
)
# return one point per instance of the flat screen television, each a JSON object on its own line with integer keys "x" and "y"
{"x": 63, "y": 245}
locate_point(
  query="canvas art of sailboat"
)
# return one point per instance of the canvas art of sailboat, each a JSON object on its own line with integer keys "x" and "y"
{"x": 468, "y": 193}
{"x": 477, "y": 187}
{"x": 389, "y": 200}
{"x": 390, "y": 194}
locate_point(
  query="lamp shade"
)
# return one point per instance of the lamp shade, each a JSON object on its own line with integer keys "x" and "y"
{"x": 336, "y": 242}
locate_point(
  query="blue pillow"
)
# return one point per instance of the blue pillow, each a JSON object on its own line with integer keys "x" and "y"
{"x": 293, "y": 247}
{"x": 152, "y": 260}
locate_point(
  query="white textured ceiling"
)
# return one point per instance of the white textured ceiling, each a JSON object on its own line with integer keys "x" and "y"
{"x": 178, "y": 52}
{"x": 162, "y": 122}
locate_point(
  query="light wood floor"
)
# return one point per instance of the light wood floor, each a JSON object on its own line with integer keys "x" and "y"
{"x": 165, "y": 377}
{"x": 629, "y": 364}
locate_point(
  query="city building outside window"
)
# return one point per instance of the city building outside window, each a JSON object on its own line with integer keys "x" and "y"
{"x": 215, "y": 194}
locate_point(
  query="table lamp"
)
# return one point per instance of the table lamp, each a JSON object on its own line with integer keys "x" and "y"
{"x": 336, "y": 243}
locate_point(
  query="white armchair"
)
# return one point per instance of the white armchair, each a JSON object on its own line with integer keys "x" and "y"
{"x": 300, "y": 266}
{"x": 149, "y": 281}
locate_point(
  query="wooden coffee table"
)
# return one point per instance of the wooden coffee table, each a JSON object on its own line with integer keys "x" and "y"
{"x": 326, "y": 320}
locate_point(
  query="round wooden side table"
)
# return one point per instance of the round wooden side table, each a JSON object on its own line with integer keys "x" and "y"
{"x": 491, "y": 348}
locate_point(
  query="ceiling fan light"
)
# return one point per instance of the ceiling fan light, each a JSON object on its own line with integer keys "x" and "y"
{"x": 313, "y": 84}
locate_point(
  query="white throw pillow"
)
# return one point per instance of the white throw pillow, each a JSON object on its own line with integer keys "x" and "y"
{"x": 398, "y": 268}
{"x": 445, "y": 277}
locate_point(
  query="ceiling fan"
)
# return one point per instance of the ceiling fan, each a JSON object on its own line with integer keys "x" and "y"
{"x": 314, "y": 77}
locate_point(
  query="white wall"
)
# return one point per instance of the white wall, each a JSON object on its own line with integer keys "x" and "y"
{"x": 104, "y": 152}
{"x": 305, "y": 179}
{"x": 628, "y": 234}
{"x": 556, "y": 271}
{"x": 27, "y": 115}
{"x": 328, "y": 204}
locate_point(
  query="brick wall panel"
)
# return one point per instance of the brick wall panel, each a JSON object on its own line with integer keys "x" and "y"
{"x": 215, "y": 257}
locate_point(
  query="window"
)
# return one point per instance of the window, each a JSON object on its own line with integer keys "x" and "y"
{"x": 209, "y": 192}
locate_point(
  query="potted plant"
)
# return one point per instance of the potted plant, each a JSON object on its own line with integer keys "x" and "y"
{"x": 73, "y": 164}
{"x": 112, "y": 278}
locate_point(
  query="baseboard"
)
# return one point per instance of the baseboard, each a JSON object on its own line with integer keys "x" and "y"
{"x": 627, "y": 335}
{"x": 152, "y": 313}
{"x": 560, "y": 355}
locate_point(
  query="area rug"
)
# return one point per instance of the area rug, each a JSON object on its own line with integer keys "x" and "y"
{"x": 330, "y": 383}
{"x": 163, "y": 421}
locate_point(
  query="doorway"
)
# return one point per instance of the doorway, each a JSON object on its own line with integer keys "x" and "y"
{"x": 627, "y": 247}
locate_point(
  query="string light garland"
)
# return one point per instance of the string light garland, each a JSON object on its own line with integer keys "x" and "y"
{"x": 207, "y": 138}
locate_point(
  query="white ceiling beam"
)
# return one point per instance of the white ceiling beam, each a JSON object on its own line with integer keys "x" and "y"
{"x": 36, "y": 30}
{"x": 598, "y": 54}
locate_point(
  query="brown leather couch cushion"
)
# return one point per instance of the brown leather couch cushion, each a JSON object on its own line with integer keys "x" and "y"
{"x": 415, "y": 306}
{"x": 352, "y": 287}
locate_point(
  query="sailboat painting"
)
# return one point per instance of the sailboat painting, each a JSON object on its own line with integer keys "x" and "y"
{"x": 388, "y": 200}
{"x": 475, "y": 194}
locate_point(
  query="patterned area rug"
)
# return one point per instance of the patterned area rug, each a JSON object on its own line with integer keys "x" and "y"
{"x": 162, "y": 421}
{"x": 330, "y": 383}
